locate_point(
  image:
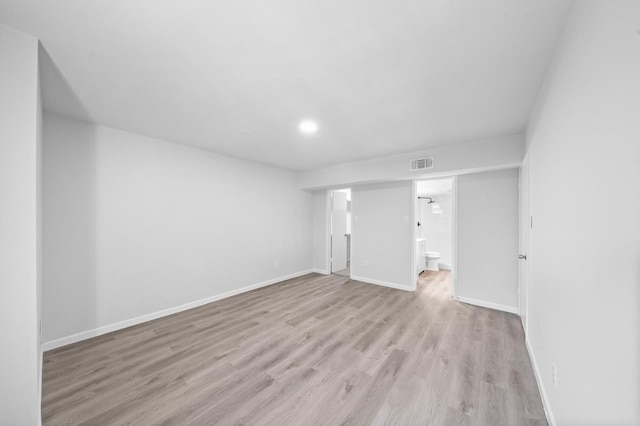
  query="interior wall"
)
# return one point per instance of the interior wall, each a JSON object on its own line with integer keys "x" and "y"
{"x": 320, "y": 230}
{"x": 19, "y": 250}
{"x": 39, "y": 124}
{"x": 487, "y": 262}
{"x": 436, "y": 227}
{"x": 135, "y": 225}
{"x": 382, "y": 233}
{"x": 471, "y": 157}
{"x": 584, "y": 284}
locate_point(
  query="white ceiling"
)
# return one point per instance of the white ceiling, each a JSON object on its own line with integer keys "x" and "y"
{"x": 236, "y": 76}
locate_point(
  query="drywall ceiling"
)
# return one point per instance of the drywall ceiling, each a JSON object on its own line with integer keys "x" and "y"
{"x": 236, "y": 77}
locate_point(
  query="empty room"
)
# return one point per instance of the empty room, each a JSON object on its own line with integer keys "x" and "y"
{"x": 414, "y": 212}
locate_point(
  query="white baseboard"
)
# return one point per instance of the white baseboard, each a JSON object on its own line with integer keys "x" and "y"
{"x": 545, "y": 401}
{"x": 320, "y": 271}
{"x": 491, "y": 305}
{"x": 382, "y": 283}
{"x": 74, "y": 338}
{"x": 444, "y": 266}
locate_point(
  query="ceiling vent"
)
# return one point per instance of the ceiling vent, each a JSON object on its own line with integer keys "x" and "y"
{"x": 420, "y": 164}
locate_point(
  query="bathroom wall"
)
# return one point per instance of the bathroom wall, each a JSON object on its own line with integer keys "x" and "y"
{"x": 436, "y": 228}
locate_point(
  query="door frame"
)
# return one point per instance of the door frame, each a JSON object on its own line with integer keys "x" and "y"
{"x": 454, "y": 237}
{"x": 329, "y": 227}
{"x": 414, "y": 234}
{"x": 524, "y": 238}
{"x": 454, "y": 231}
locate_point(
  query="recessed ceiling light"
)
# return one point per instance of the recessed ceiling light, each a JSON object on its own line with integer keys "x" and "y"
{"x": 308, "y": 127}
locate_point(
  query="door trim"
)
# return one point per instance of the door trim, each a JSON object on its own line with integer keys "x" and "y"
{"x": 454, "y": 238}
{"x": 327, "y": 223}
{"x": 414, "y": 235}
{"x": 339, "y": 235}
{"x": 524, "y": 246}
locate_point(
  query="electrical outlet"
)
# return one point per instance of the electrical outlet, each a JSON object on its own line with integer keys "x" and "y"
{"x": 276, "y": 263}
{"x": 554, "y": 375}
{"x": 365, "y": 262}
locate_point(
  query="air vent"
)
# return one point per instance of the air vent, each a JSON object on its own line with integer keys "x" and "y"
{"x": 421, "y": 163}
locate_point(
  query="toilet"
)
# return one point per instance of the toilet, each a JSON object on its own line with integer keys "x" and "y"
{"x": 432, "y": 258}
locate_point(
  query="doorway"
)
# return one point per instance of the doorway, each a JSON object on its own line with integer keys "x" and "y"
{"x": 341, "y": 232}
{"x": 435, "y": 228}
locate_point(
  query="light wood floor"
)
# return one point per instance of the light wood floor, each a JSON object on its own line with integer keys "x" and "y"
{"x": 316, "y": 350}
{"x": 346, "y": 272}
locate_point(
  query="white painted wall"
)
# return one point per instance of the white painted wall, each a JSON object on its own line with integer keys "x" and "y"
{"x": 584, "y": 149}
{"x": 135, "y": 225}
{"x": 320, "y": 230}
{"x": 436, "y": 227}
{"x": 19, "y": 251}
{"x": 487, "y": 262}
{"x": 382, "y": 233}
{"x": 39, "y": 125}
{"x": 348, "y": 192}
{"x": 477, "y": 156}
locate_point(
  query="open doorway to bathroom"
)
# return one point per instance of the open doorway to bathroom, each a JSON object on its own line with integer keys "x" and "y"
{"x": 435, "y": 228}
{"x": 341, "y": 232}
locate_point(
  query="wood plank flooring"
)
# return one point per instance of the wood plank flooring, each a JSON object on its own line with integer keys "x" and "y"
{"x": 315, "y": 350}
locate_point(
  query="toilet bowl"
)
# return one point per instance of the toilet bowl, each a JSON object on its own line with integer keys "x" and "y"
{"x": 432, "y": 258}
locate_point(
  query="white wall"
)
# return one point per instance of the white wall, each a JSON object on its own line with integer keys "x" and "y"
{"x": 487, "y": 262}
{"x": 348, "y": 192}
{"x": 135, "y": 225}
{"x": 39, "y": 125}
{"x": 483, "y": 155}
{"x": 436, "y": 227}
{"x": 584, "y": 149}
{"x": 19, "y": 251}
{"x": 382, "y": 233}
{"x": 320, "y": 230}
